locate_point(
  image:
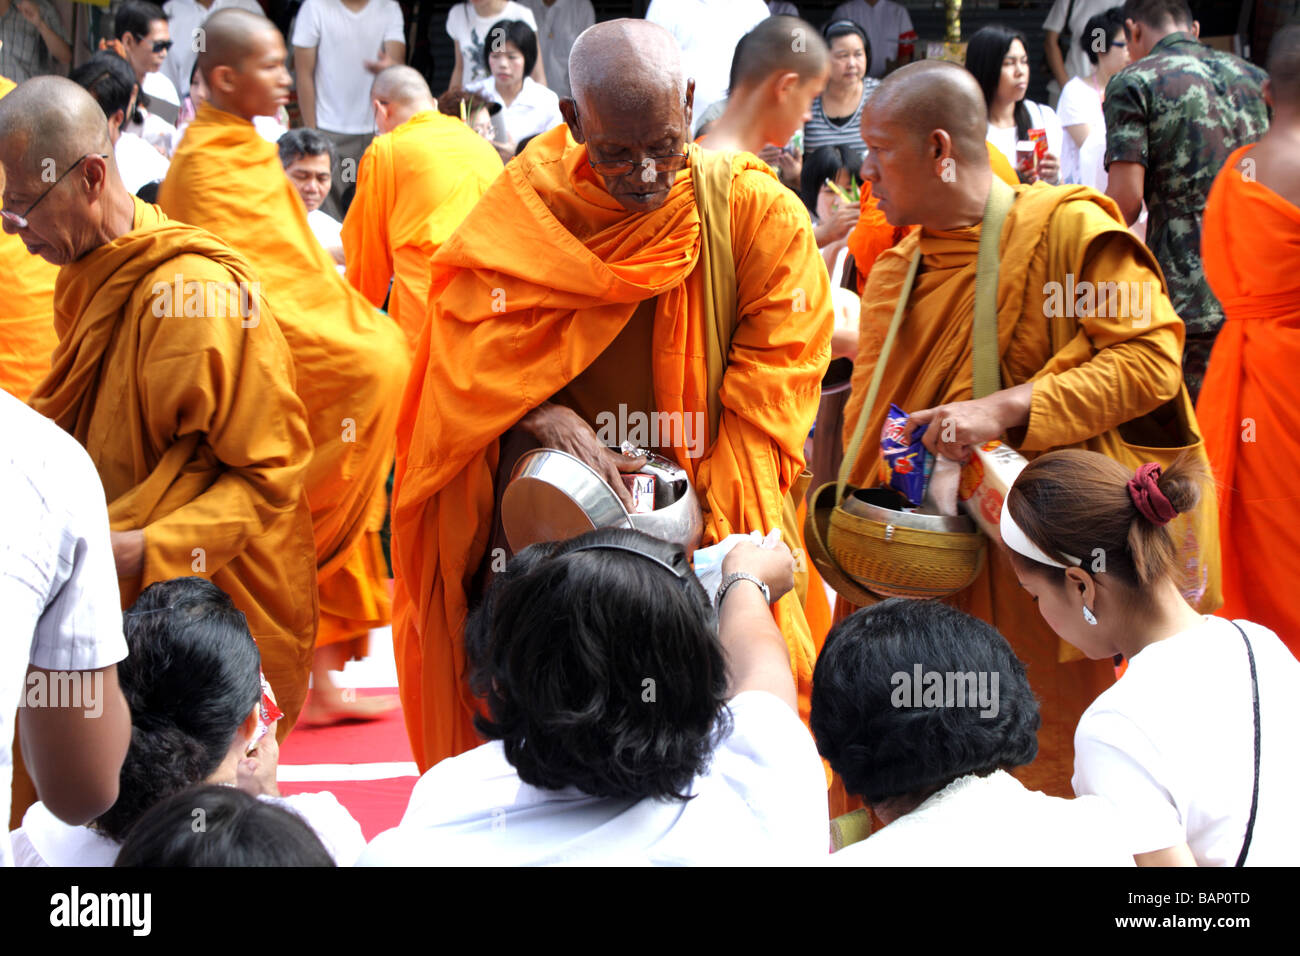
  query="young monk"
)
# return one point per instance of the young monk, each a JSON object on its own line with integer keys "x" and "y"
{"x": 578, "y": 285}
{"x": 27, "y": 336}
{"x": 1068, "y": 377}
{"x": 351, "y": 360}
{"x": 173, "y": 374}
{"x": 1248, "y": 405}
{"x": 416, "y": 182}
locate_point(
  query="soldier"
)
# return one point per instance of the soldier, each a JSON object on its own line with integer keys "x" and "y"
{"x": 1172, "y": 118}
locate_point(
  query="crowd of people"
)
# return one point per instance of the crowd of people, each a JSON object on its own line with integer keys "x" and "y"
{"x": 273, "y": 343}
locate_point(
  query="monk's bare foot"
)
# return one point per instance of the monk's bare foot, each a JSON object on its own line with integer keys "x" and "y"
{"x": 337, "y": 708}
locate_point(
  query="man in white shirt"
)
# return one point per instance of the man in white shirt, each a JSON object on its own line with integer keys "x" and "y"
{"x": 142, "y": 32}
{"x": 186, "y": 18}
{"x": 558, "y": 24}
{"x": 707, "y": 32}
{"x": 307, "y": 157}
{"x": 889, "y": 30}
{"x": 58, "y": 587}
{"x": 338, "y": 46}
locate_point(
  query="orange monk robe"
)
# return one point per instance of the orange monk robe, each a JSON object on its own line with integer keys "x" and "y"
{"x": 175, "y": 377}
{"x": 350, "y": 360}
{"x": 27, "y": 336}
{"x": 1249, "y": 406}
{"x": 1079, "y": 398}
{"x": 414, "y": 186}
{"x": 548, "y": 245}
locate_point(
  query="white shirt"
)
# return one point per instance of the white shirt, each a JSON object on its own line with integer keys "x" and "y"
{"x": 1079, "y": 103}
{"x": 558, "y": 25}
{"x": 994, "y": 821}
{"x": 344, "y": 41}
{"x": 1171, "y": 745}
{"x": 707, "y": 32}
{"x": 45, "y": 840}
{"x": 535, "y": 110}
{"x": 58, "y": 583}
{"x": 1040, "y": 117}
{"x": 1076, "y": 61}
{"x": 762, "y": 801}
{"x": 138, "y": 162}
{"x": 886, "y": 25}
{"x": 184, "y": 19}
{"x": 468, "y": 31}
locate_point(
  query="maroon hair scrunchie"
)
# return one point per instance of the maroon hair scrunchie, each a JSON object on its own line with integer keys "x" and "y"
{"x": 1147, "y": 496}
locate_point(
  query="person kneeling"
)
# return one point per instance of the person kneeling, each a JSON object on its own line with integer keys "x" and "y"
{"x": 922, "y": 710}
{"x": 627, "y": 723}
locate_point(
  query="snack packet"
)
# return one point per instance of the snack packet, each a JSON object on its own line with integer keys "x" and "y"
{"x": 642, "y": 489}
{"x": 985, "y": 481}
{"x": 908, "y": 465}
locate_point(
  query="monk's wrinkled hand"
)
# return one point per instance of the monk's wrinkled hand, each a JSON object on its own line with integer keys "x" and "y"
{"x": 128, "y": 552}
{"x": 957, "y": 428}
{"x": 555, "y": 426}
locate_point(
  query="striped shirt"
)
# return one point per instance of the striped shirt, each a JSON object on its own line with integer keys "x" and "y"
{"x": 820, "y": 131}
{"x": 24, "y": 53}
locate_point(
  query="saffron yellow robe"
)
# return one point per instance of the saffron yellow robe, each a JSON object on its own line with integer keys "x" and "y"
{"x": 414, "y": 186}
{"x": 350, "y": 359}
{"x": 538, "y": 281}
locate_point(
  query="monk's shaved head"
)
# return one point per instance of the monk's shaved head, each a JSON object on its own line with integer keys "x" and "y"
{"x": 400, "y": 84}
{"x": 49, "y": 118}
{"x": 624, "y": 64}
{"x": 936, "y": 95}
{"x": 778, "y": 45}
{"x": 1284, "y": 66}
{"x": 230, "y": 36}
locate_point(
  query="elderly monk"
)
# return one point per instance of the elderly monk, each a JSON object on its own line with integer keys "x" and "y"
{"x": 1070, "y": 376}
{"x": 173, "y": 373}
{"x": 588, "y": 282}
{"x": 1249, "y": 406}
{"x": 416, "y": 182}
{"x": 27, "y": 336}
{"x": 350, "y": 359}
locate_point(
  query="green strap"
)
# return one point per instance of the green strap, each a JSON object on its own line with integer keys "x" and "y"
{"x": 985, "y": 368}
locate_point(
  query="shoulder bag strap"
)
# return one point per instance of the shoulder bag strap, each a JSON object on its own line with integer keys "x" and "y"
{"x": 711, "y": 175}
{"x": 985, "y": 367}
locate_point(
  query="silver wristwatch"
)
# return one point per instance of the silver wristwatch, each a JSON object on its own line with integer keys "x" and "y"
{"x": 735, "y": 576}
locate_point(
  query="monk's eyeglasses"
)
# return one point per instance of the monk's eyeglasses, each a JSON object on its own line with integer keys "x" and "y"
{"x": 670, "y": 163}
{"x": 20, "y": 221}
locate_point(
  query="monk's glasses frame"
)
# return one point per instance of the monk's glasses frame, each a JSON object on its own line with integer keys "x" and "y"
{"x": 668, "y": 163}
{"x": 20, "y": 221}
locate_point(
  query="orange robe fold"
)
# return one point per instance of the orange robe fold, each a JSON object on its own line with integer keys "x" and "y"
{"x": 1091, "y": 374}
{"x": 414, "y": 186}
{"x": 1249, "y": 407}
{"x": 538, "y": 281}
{"x": 175, "y": 377}
{"x": 350, "y": 360}
{"x": 27, "y": 337}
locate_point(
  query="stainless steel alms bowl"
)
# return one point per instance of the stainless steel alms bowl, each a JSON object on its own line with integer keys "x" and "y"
{"x": 553, "y": 496}
{"x": 885, "y": 504}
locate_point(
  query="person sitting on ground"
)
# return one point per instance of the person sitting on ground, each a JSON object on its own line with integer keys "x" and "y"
{"x": 996, "y": 57}
{"x": 628, "y": 722}
{"x": 192, "y": 680}
{"x": 1170, "y": 744}
{"x": 108, "y": 78}
{"x": 527, "y": 107}
{"x": 471, "y": 109}
{"x": 307, "y": 157}
{"x": 923, "y": 711}
{"x": 833, "y": 216}
{"x": 238, "y": 830}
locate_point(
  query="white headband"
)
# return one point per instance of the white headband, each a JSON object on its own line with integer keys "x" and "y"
{"x": 1018, "y": 541}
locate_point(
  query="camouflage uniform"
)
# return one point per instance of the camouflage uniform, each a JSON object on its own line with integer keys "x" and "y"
{"x": 1180, "y": 111}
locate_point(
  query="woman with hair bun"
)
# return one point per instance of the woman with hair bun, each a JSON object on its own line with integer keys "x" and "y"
{"x": 1198, "y": 744}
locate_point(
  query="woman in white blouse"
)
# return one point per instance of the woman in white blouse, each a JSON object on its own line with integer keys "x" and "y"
{"x": 996, "y": 57}
{"x": 528, "y": 108}
{"x": 1079, "y": 108}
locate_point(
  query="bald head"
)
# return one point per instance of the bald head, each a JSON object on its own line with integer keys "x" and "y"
{"x": 243, "y": 63}
{"x": 778, "y": 45}
{"x": 231, "y": 36}
{"x": 49, "y": 118}
{"x": 936, "y": 95}
{"x": 1284, "y": 67}
{"x": 398, "y": 93}
{"x": 625, "y": 65}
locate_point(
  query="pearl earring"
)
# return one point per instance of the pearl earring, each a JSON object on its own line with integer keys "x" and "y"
{"x": 1089, "y": 616}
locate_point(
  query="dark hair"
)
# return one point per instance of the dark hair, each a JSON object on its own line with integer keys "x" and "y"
{"x": 1073, "y": 502}
{"x": 985, "y": 52}
{"x": 109, "y": 79}
{"x": 823, "y": 163}
{"x": 136, "y": 17}
{"x": 885, "y": 749}
{"x": 766, "y": 49}
{"x": 515, "y": 32}
{"x": 842, "y": 28}
{"x": 191, "y": 676}
{"x": 300, "y": 142}
{"x": 211, "y": 825}
{"x": 601, "y": 671}
{"x": 1103, "y": 26}
{"x": 449, "y": 103}
{"x": 1156, "y": 13}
